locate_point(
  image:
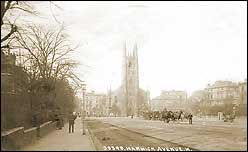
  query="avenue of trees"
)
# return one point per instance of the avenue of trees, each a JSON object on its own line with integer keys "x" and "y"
{"x": 50, "y": 82}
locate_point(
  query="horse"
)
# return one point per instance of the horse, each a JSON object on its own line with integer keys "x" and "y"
{"x": 171, "y": 116}
{"x": 156, "y": 115}
{"x": 185, "y": 115}
{"x": 167, "y": 116}
{"x": 164, "y": 116}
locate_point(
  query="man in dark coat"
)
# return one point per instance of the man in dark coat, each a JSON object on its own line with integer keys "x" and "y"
{"x": 190, "y": 118}
{"x": 72, "y": 118}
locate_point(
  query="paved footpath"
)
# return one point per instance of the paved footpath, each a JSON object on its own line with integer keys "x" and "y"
{"x": 61, "y": 140}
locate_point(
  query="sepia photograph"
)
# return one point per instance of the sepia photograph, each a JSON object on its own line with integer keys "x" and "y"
{"x": 123, "y": 75}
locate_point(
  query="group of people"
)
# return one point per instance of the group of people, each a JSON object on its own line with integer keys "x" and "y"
{"x": 56, "y": 116}
{"x": 167, "y": 116}
{"x": 60, "y": 121}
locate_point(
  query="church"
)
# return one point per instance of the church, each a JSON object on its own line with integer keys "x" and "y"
{"x": 129, "y": 97}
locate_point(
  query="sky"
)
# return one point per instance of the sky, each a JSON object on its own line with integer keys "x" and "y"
{"x": 181, "y": 45}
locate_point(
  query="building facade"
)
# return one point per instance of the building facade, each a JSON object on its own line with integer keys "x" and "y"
{"x": 171, "y": 100}
{"x": 243, "y": 92}
{"x": 15, "y": 99}
{"x": 130, "y": 81}
{"x": 130, "y": 99}
{"x": 222, "y": 92}
{"x": 96, "y": 104}
{"x": 14, "y": 78}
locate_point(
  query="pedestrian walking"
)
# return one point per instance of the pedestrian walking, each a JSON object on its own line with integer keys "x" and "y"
{"x": 72, "y": 118}
{"x": 60, "y": 121}
{"x": 37, "y": 122}
{"x": 190, "y": 118}
{"x": 58, "y": 118}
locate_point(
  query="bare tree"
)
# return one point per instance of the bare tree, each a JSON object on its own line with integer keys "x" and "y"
{"x": 48, "y": 64}
{"x": 10, "y": 13}
{"x": 48, "y": 52}
{"x": 45, "y": 54}
{"x": 8, "y": 26}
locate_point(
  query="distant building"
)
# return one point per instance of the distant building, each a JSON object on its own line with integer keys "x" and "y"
{"x": 131, "y": 100}
{"x": 14, "y": 78}
{"x": 198, "y": 96}
{"x": 222, "y": 92}
{"x": 15, "y": 102}
{"x": 243, "y": 92}
{"x": 171, "y": 100}
{"x": 8, "y": 58}
{"x": 96, "y": 104}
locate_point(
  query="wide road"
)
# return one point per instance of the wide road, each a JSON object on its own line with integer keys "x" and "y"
{"x": 203, "y": 134}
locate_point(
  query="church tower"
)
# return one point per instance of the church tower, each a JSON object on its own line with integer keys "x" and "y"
{"x": 130, "y": 81}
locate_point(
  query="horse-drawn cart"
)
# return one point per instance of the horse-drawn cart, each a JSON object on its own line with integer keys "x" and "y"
{"x": 228, "y": 118}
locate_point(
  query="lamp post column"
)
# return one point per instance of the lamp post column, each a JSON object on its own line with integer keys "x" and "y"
{"x": 84, "y": 113}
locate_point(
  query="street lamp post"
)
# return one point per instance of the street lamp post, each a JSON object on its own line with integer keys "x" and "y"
{"x": 83, "y": 114}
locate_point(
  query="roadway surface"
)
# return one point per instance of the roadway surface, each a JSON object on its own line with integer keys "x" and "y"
{"x": 203, "y": 134}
